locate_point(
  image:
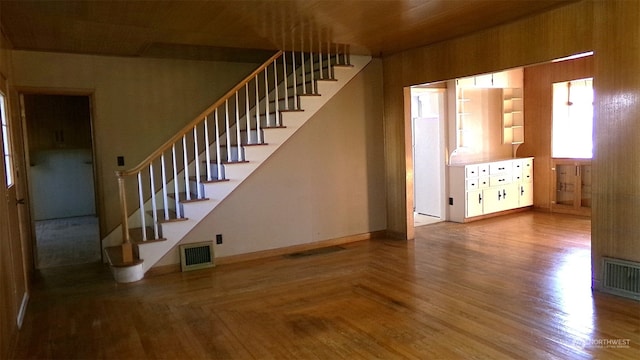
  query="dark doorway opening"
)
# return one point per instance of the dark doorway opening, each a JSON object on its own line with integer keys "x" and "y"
{"x": 61, "y": 179}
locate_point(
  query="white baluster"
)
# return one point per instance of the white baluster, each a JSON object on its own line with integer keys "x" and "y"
{"x": 143, "y": 219}
{"x": 314, "y": 86}
{"x": 196, "y": 156}
{"x": 176, "y": 186}
{"x": 207, "y": 146}
{"x": 154, "y": 208}
{"x": 187, "y": 186}
{"x": 320, "y": 59}
{"x": 337, "y": 54}
{"x": 165, "y": 199}
{"x": 266, "y": 97}
{"x": 247, "y": 115}
{"x": 259, "y": 135}
{"x": 238, "y": 134}
{"x": 286, "y": 86}
{"x": 275, "y": 88}
{"x": 227, "y": 129}
{"x": 218, "y": 152}
{"x": 295, "y": 81}
{"x": 329, "y": 67}
{"x": 304, "y": 75}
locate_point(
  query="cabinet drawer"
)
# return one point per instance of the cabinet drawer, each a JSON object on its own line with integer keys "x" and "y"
{"x": 472, "y": 184}
{"x": 517, "y": 176}
{"x": 499, "y": 167}
{"x": 499, "y": 180}
{"x": 483, "y": 169}
{"x": 471, "y": 171}
{"x": 483, "y": 182}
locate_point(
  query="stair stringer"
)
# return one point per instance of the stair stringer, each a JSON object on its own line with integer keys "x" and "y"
{"x": 174, "y": 232}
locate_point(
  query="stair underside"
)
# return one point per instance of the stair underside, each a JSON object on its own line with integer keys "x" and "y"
{"x": 174, "y": 230}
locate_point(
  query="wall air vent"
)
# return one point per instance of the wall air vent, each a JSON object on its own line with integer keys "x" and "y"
{"x": 621, "y": 278}
{"x": 196, "y": 256}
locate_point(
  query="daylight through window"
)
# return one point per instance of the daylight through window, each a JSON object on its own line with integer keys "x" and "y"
{"x": 6, "y": 148}
{"x": 573, "y": 119}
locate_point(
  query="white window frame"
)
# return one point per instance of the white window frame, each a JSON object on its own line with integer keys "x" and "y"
{"x": 5, "y": 134}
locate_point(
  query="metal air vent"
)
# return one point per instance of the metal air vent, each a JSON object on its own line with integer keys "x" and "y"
{"x": 622, "y": 278}
{"x": 196, "y": 256}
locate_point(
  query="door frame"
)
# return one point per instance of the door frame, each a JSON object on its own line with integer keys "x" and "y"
{"x": 408, "y": 153}
{"x": 90, "y": 93}
{"x": 442, "y": 123}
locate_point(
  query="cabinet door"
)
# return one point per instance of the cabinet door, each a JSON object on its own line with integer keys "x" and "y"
{"x": 474, "y": 203}
{"x": 492, "y": 199}
{"x": 526, "y": 194}
{"x": 510, "y": 196}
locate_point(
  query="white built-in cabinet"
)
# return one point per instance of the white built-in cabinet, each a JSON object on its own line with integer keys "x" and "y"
{"x": 480, "y": 189}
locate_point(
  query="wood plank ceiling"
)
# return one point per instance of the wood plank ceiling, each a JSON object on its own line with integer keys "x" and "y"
{"x": 248, "y": 30}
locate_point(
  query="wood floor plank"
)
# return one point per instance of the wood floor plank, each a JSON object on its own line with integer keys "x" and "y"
{"x": 514, "y": 287}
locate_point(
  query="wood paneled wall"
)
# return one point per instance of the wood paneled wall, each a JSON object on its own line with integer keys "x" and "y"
{"x": 554, "y": 34}
{"x": 538, "y": 108}
{"x": 610, "y": 29}
{"x": 616, "y": 163}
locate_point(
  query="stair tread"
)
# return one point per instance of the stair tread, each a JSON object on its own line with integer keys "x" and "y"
{"x": 203, "y": 179}
{"x": 114, "y": 257}
{"x": 135, "y": 234}
{"x": 183, "y": 197}
{"x": 226, "y": 162}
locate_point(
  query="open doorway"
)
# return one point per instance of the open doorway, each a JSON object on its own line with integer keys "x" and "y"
{"x": 428, "y": 124}
{"x": 61, "y": 179}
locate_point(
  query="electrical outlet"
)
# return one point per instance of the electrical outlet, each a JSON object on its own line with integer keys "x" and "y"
{"x": 219, "y": 239}
{"x": 120, "y": 160}
{"x": 450, "y": 201}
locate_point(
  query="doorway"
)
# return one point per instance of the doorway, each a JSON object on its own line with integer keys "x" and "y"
{"x": 61, "y": 179}
{"x": 428, "y": 124}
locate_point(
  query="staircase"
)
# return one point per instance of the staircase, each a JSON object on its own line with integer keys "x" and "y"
{"x": 184, "y": 180}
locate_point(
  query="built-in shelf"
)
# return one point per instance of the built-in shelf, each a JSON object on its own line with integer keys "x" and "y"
{"x": 512, "y": 118}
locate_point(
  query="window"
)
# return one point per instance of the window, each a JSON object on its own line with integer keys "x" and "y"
{"x": 6, "y": 148}
{"x": 572, "y": 134}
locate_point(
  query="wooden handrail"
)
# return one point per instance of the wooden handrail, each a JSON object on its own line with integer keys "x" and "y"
{"x": 167, "y": 145}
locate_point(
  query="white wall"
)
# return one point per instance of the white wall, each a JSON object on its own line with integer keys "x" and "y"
{"x": 137, "y": 103}
{"x": 326, "y": 182}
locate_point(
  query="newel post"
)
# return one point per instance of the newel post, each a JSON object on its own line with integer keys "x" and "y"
{"x": 127, "y": 249}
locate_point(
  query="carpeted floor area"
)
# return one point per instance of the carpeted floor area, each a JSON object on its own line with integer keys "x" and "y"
{"x": 69, "y": 241}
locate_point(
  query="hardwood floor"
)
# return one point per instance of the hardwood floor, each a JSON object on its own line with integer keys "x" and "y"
{"x": 517, "y": 287}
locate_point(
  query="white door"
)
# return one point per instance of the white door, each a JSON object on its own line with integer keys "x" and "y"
{"x": 428, "y": 161}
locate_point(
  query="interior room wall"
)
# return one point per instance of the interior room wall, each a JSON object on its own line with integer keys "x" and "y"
{"x": 538, "y": 108}
{"x": 138, "y": 103}
{"x": 324, "y": 183}
{"x": 559, "y": 32}
{"x": 616, "y": 164}
{"x": 609, "y": 28}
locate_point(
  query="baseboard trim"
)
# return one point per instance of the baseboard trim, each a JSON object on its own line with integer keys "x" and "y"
{"x": 23, "y": 309}
{"x": 396, "y": 235}
{"x": 162, "y": 270}
{"x": 173, "y": 268}
{"x": 298, "y": 248}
